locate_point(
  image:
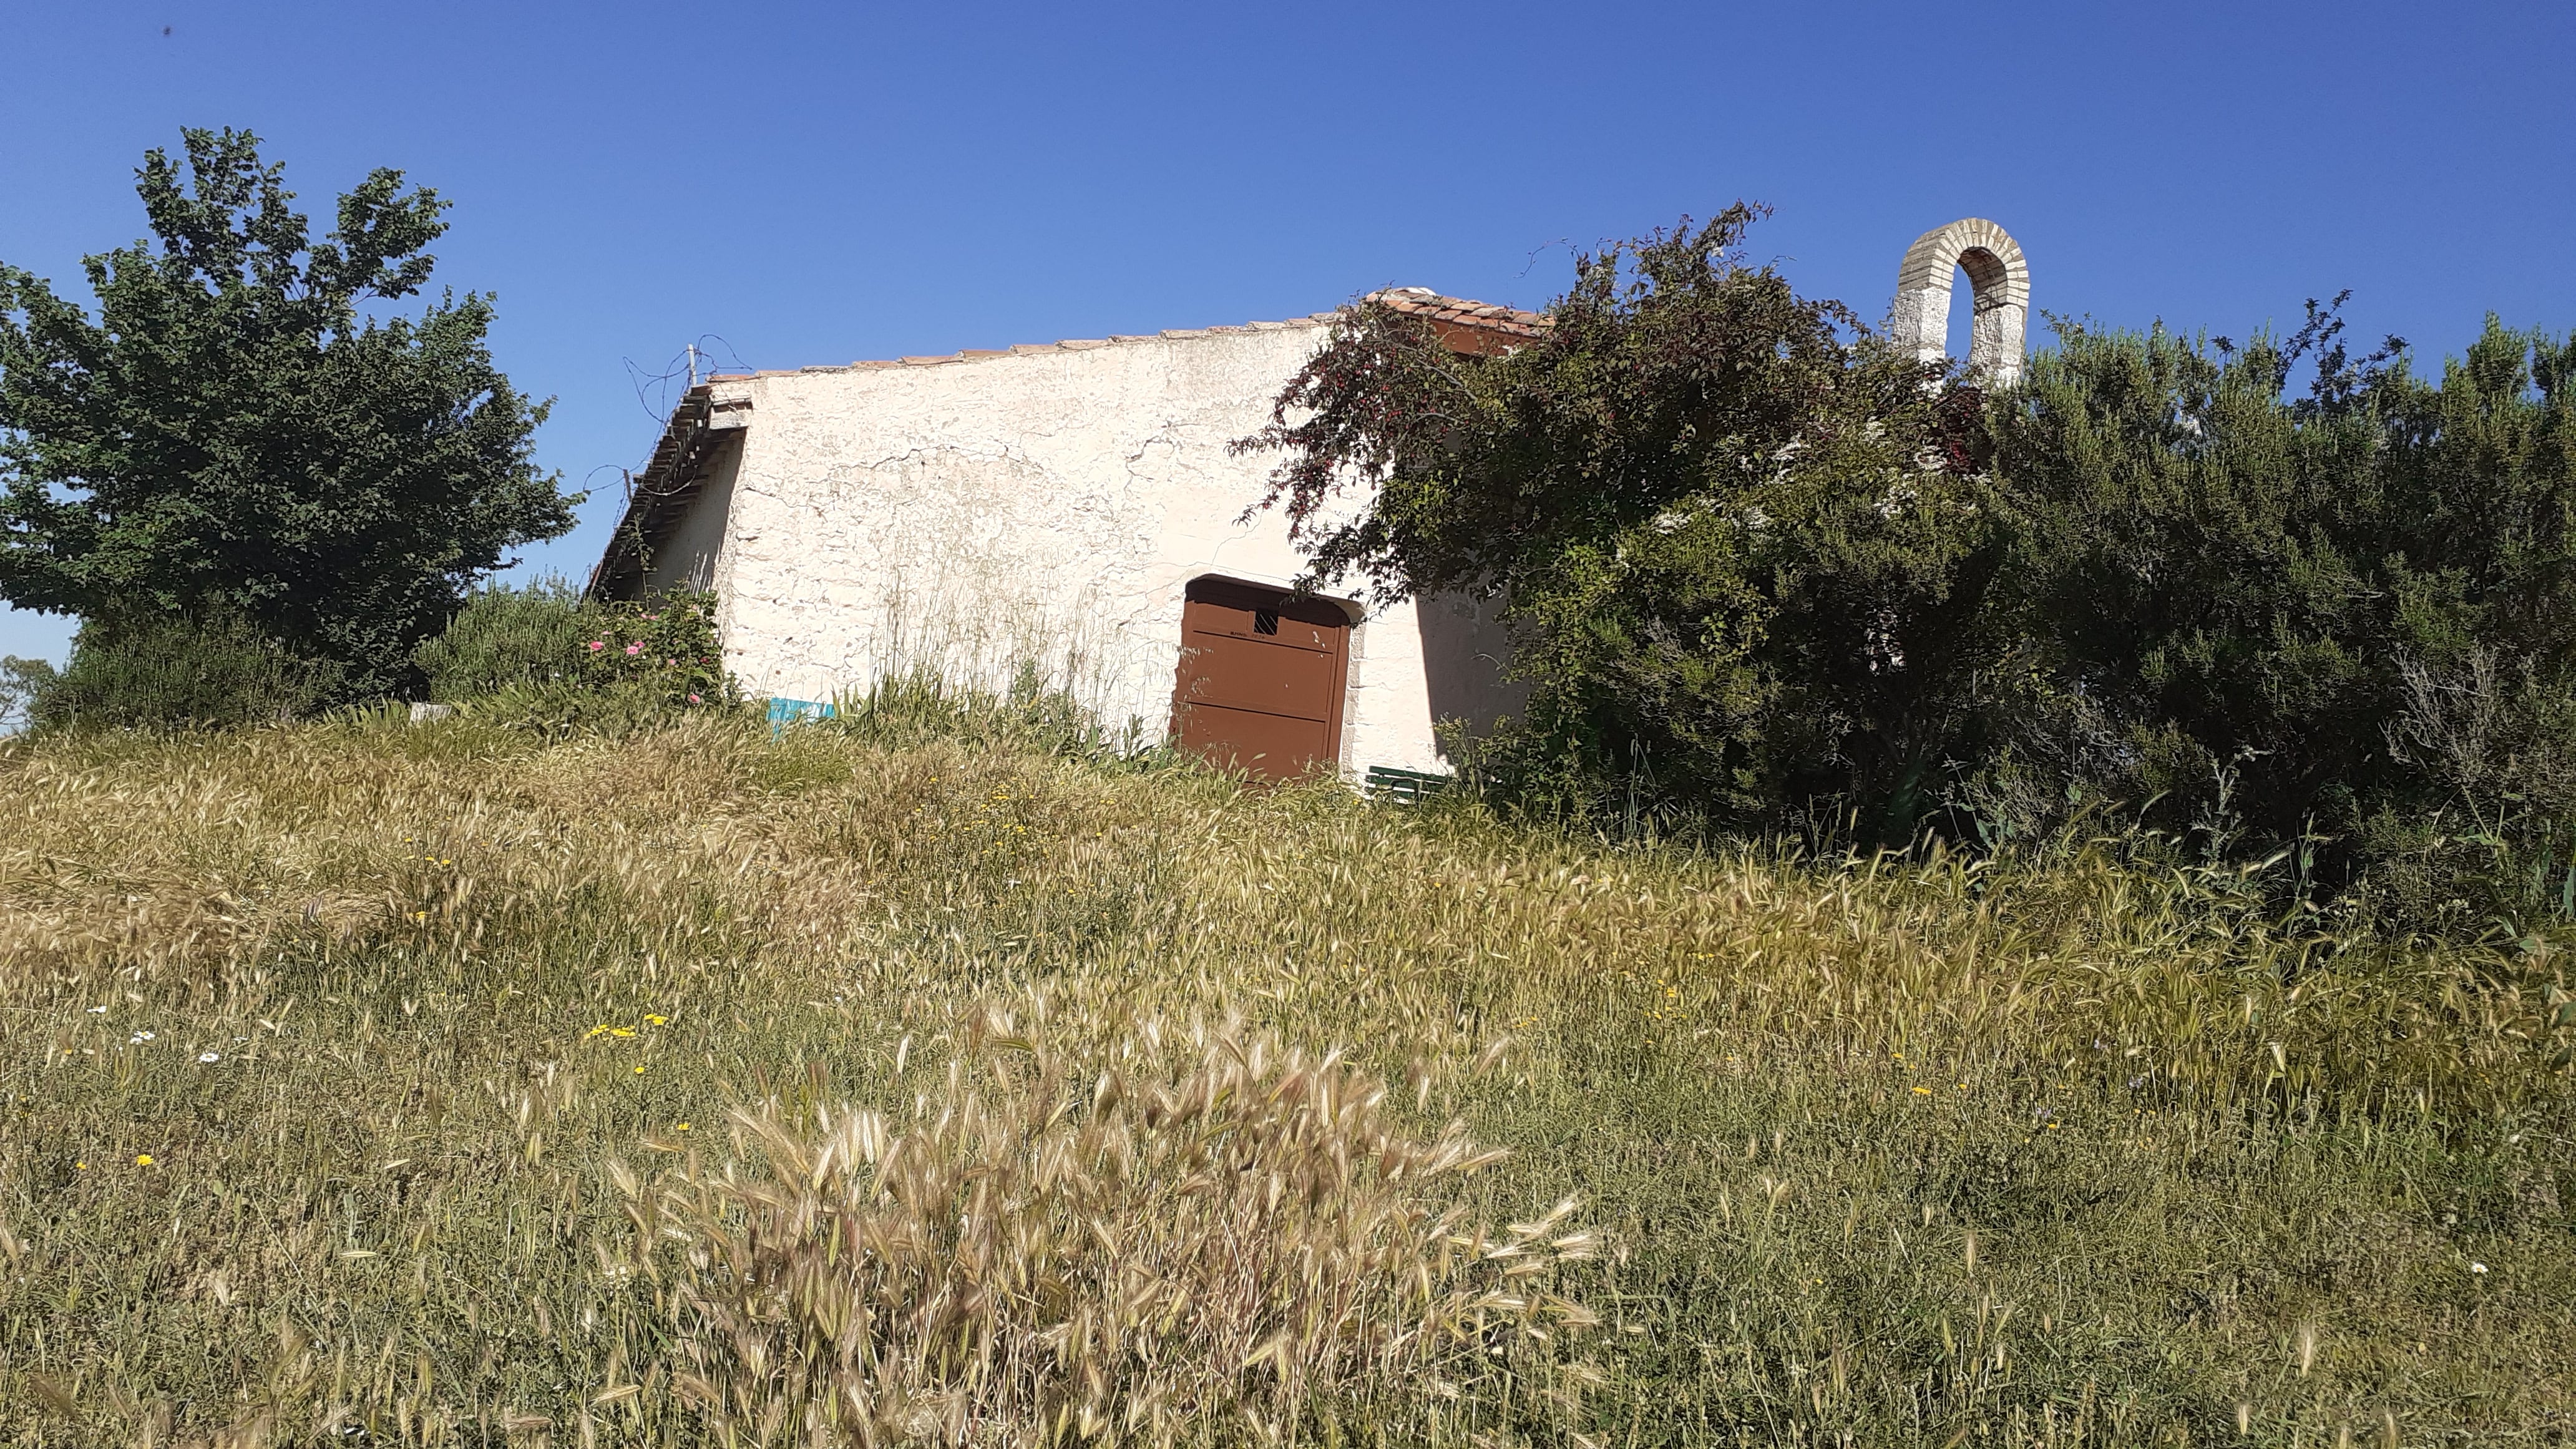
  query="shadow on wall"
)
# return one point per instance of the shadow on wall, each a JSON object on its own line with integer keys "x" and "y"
{"x": 687, "y": 556}
{"x": 1464, "y": 652}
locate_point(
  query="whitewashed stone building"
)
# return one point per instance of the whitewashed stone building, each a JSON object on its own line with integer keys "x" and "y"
{"x": 1074, "y": 507}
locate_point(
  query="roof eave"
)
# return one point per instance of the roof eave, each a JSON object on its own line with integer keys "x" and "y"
{"x": 661, "y": 481}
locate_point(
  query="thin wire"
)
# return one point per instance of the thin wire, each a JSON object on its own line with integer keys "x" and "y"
{"x": 653, "y": 389}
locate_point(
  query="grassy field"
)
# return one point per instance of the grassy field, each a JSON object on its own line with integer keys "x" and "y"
{"x": 459, "y": 1085}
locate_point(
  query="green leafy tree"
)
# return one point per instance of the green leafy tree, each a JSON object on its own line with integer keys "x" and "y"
{"x": 1736, "y": 534}
{"x": 243, "y": 436}
{"x": 21, "y": 681}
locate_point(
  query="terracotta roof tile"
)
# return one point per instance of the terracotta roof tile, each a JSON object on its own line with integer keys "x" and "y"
{"x": 1477, "y": 328}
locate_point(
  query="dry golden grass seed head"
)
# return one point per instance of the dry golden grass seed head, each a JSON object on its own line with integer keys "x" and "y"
{"x": 1203, "y": 1222}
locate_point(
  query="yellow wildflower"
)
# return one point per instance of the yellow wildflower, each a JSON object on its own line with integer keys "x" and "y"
{"x": 1923, "y": 1091}
{"x": 143, "y": 1159}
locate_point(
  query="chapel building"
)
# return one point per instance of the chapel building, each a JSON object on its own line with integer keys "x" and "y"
{"x": 1075, "y": 508}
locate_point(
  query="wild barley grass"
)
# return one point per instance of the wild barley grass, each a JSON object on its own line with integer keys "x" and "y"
{"x": 1179, "y": 1232}
{"x": 1890, "y": 1152}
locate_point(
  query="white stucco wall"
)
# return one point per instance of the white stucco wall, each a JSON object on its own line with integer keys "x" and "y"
{"x": 1046, "y": 505}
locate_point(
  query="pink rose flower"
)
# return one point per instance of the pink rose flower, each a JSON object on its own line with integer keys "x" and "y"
{"x": 598, "y": 644}
{"x": 634, "y": 649}
{"x": 693, "y": 699}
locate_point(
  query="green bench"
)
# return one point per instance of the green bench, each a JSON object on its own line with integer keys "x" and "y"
{"x": 1404, "y": 787}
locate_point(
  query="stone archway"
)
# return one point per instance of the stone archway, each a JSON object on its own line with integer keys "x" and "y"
{"x": 1998, "y": 277}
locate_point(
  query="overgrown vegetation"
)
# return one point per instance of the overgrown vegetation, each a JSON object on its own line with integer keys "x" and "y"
{"x": 538, "y": 656}
{"x": 21, "y": 680}
{"x": 2346, "y": 618}
{"x": 248, "y": 442}
{"x": 148, "y": 672}
{"x": 543, "y": 655}
{"x": 604, "y": 1064}
{"x": 510, "y": 638}
{"x": 1740, "y": 551}
{"x": 1766, "y": 572}
{"x": 463, "y": 1084}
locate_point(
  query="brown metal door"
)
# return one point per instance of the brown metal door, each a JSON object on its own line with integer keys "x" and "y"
{"x": 1261, "y": 679}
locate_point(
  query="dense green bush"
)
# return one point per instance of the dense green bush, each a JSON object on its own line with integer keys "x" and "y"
{"x": 545, "y": 657}
{"x": 540, "y": 654}
{"x": 2345, "y": 616}
{"x": 1741, "y": 556}
{"x": 506, "y": 636}
{"x": 1766, "y": 572}
{"x": 178, "y": 673}
{"x": 665, "y": 646}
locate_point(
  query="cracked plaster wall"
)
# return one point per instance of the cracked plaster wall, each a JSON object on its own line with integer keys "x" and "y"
{"x": 1045, "y": 507}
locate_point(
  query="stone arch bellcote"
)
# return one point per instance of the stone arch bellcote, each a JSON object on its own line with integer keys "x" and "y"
{"x": 1998, "y": 277}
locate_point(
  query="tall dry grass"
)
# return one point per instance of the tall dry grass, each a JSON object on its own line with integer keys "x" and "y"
{"x": 1178, "y": 1233}
{"x": 1879, "y": 1152}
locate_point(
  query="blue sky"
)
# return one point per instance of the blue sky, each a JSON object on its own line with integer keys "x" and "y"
{"x": 816, "y": 183}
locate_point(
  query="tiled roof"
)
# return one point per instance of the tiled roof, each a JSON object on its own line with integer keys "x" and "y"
{"x": 1480, "y": 328}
